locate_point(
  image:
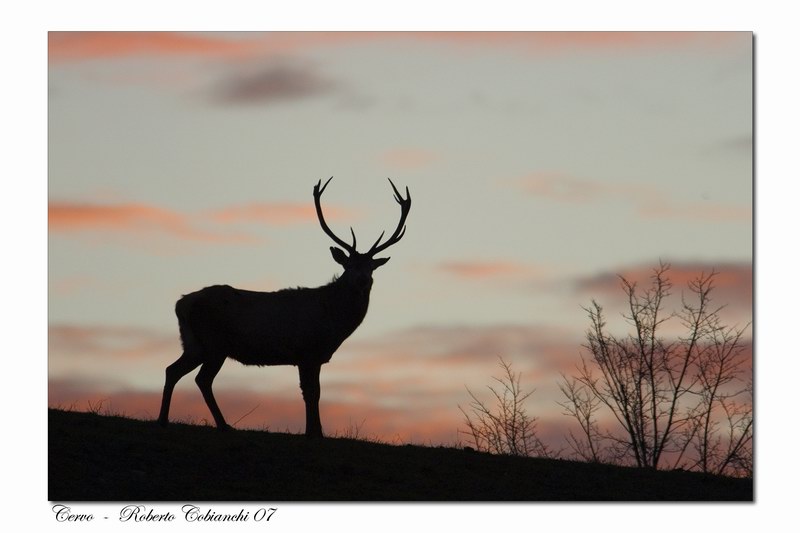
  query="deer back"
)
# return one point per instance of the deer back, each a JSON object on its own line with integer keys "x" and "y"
{"x": 271, "y": 328}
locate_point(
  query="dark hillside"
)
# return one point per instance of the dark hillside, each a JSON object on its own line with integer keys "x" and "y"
{"x": 99, "y": 458}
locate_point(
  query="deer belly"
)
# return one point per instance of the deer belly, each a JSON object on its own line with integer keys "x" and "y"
{"x": 274, "y": 352}
{"x": 279, "y": 348}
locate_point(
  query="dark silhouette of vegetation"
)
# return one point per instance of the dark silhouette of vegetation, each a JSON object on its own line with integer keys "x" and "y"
{"x": 504, "y": 426}
{"x": 301, "y": 327}
{"x": 682, "y": 402}
{"x": 105, "y": 459}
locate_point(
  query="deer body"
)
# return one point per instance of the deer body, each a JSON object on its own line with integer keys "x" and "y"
{"x": 286, "y": 327}
{"x": 301, "y": 327}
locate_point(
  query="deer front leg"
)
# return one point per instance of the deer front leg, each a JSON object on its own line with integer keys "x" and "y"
{"x": 309, "y": 384}
{"x": 185, "y": 364}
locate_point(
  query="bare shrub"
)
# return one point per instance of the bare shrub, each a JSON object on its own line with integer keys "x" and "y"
{"x": 678, "y": 402}
{"x": 503, "y": 427}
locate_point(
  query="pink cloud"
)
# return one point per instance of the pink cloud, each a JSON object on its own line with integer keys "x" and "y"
{"x": 709, "y": 212}
{"x": 565, "y": 188}
{"x": 647, "y": 201}
{"x": 482, "y": 269}
{"x": 69, "y": 285}
{"x": 416, "y": 350}
{"x": 109, "y": 341}
{"x": 733, "y": 288}
{"x": 406, "y": 385}
{"x": 731, "y": 276}
{"x": 489, "y": 269}
{"x": 555, "y": 41}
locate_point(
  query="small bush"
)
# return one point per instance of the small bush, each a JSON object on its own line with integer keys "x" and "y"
{"x": 505, "y": 427}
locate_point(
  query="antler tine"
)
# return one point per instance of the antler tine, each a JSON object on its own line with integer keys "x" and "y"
{"x": 405, "y": 207}
{"x": 322, "y": 190}
{"x": 397, "y": 197}
{"x": 318, "y": 190}
{"x": 379, "y": 240}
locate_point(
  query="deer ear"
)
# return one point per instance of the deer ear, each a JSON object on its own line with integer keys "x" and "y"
{"x": 379, "y": 262}
{"x": 339, "y": 256}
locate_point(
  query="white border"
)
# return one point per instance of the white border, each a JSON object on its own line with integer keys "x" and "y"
{"x": 25, "y": 261}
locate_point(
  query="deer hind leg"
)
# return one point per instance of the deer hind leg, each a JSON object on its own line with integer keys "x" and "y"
{"x": 204, "y": 379}
{"x": 309, "y": 384}
{"x": 185, "y": 364}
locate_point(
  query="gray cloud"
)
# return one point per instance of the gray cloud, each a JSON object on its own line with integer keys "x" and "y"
{"x": 273, "y": 83}
{"x": 733, "y": 287}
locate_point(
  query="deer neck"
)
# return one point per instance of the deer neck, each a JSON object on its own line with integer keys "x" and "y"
{"x": 349, "y": 304}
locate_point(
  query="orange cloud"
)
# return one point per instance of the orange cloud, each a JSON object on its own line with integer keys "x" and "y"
{"x": 249, "y": 410}
{"x": 66, "y": 217}
{"x": 79, "y": 216}
{"x": 140, "y": 218}
{"x": 278, "y": 213}
{"x": 79, "y": 46}
{"x": 75, "y": 46}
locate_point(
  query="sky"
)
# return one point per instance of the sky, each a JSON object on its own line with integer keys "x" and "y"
{"x": 540, "y": 165}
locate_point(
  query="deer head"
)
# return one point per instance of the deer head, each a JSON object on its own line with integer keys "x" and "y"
{"x": 358, "y": 267}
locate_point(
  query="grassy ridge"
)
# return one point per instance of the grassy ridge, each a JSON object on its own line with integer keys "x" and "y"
{"x": 100, "y": 458}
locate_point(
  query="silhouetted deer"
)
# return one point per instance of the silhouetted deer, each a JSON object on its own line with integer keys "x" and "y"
{"x": 301, "y": 327}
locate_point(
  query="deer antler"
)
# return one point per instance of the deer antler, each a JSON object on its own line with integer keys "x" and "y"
{"x": 405, "y": 207}
{"x": 317, "y": 194}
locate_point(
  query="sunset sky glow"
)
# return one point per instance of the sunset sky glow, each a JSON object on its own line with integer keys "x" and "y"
{"x": 541, "y": 165}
